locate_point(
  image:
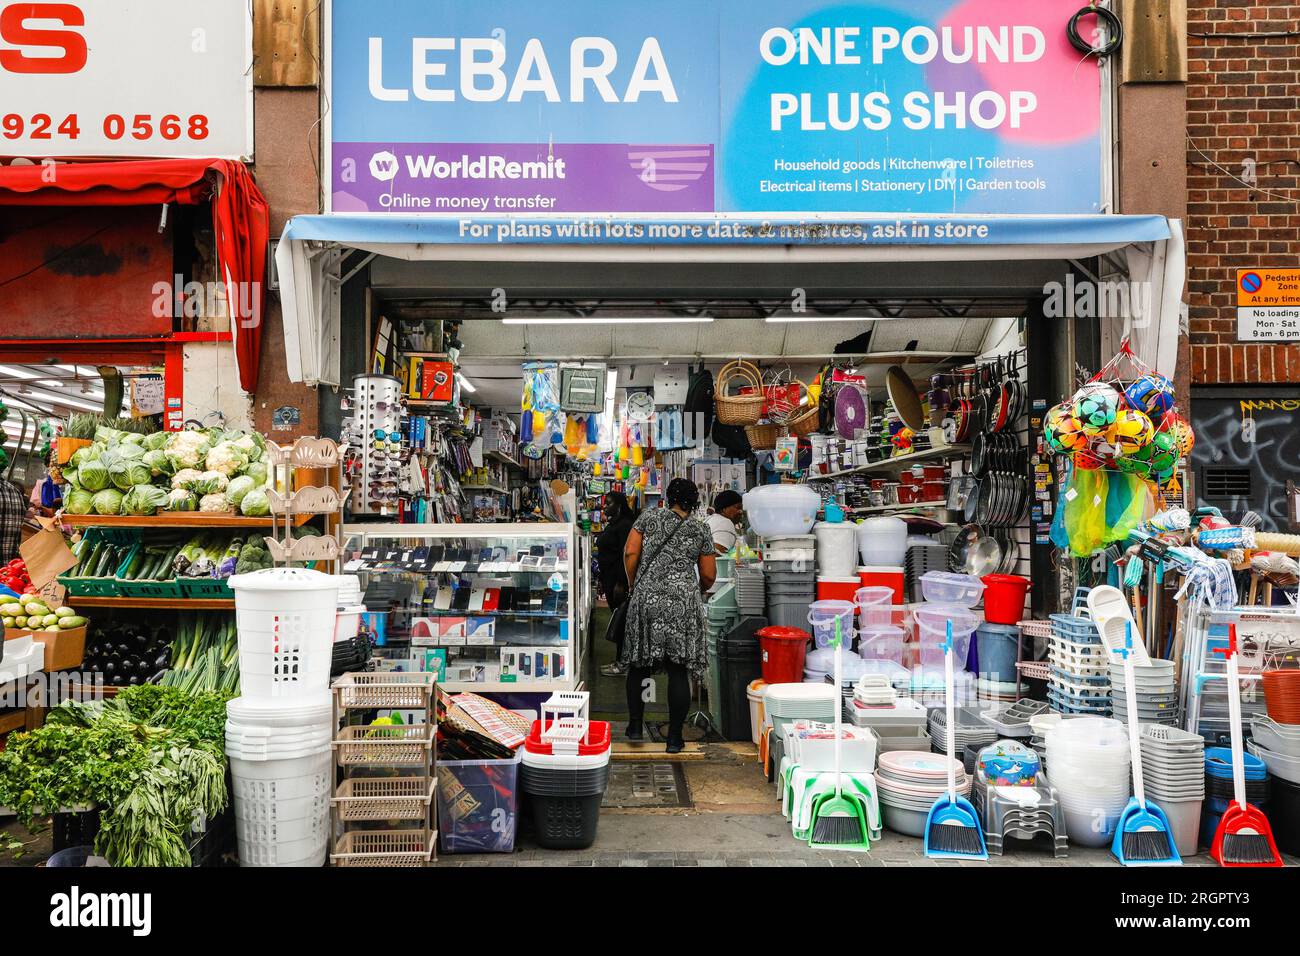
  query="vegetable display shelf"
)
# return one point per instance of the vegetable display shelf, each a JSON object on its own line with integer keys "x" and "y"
{"x": 177, "y": 519}
{"x": 180, "y": 603}
{"x": 402, "y": 797}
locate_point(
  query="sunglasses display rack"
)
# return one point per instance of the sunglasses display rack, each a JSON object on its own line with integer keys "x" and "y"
{"x": 310, "y": 453}
{"x": 377, "y": 408}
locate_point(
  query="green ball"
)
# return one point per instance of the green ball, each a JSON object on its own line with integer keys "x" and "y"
{"x": 1164, "y": 452}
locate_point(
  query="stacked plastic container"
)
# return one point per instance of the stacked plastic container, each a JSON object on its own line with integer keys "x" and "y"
{"x": 278, "y": 733}
{"x": 790, "y": 579}
{"x": 565, "y": 771}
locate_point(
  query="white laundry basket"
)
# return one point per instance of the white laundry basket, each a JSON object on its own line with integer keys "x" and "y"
{"x": 286, "y": 619}
{"x": 282, "y": 808}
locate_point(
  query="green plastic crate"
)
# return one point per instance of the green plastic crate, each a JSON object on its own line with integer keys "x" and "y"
{"x": 105, "y": 586}
{"x": 150, "y": 589}
{"x": 208, "y": 588}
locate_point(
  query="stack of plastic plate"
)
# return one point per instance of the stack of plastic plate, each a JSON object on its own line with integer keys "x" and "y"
{"x": 1088, "y": 763}
{"x": 971, "y": 730}
{"x": 786, "y": 703}
{"x": 1079, "y": 676}
{"x": 1156, "y": 689}
{"x": 1173, "y": 771}
{"x": 909, "y": 782}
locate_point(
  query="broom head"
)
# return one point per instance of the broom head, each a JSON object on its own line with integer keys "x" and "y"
{"x": 1244, "y": 838}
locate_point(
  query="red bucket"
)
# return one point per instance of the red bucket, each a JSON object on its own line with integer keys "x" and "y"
{"x": 1004, "y": 598}
{"x": 784, "y": 649}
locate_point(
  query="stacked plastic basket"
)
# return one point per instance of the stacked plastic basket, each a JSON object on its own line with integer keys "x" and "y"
{"x": 790, "y": 581}
{"x": 723, "y": 614}
{"x": 1079, "y": 679}
{"x": 565, "y": 771}
{"x": 278, "y": 733}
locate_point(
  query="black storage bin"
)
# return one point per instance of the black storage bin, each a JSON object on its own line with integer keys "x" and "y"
{"x": 739, "y": 664}
{"x": 565, "y": 783}
{"x": 564, "y": 823}
{"x": 1286, "y": 815}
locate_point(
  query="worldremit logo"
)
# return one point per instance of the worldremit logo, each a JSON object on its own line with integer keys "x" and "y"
{"x": 78, "y": 910}
{"x": 384, "y": 166}
{"x": 34, "y": 38}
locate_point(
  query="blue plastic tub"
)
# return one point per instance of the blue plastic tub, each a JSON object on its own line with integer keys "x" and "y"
{"x": 998, "y": 649}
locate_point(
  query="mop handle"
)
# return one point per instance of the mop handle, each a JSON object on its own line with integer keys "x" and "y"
{"x": 1234, "y": 717}
{"x": 1130, "y": 694}
{"x": 951, "y": 713}
{"x": 839, "y": 706}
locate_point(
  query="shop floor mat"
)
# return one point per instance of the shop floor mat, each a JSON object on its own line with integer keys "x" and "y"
{"x": 646, "y": 785}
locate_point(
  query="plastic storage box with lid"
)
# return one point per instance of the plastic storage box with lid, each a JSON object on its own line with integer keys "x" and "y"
{"x": 285, "y": 620}
{"x": 774, "y": 510}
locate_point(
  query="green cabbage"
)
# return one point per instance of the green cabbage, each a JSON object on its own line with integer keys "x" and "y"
{"x": 237, "y": 488}
{"x": 257, "y": 471}
{"x": 255, "y": 504}
{"x": 79, "y": 502}
{"x": 133, "y": 438}
{"x": 144, "y": 500}
{"x": 108, "y": 502}
{"x": 93, "y": 475}
{"x": 158, "y": 462}
{"x": 156, "y": 441}
{"x": 108, "y": 435}
{"x": 110, "y": 456}
{"x": 127, "y": 474}
{"x": 78, "y": 456}
{"x": 181, "y": 500}
{"x": 70, "y": 477}
{"x": 129, "y": 451}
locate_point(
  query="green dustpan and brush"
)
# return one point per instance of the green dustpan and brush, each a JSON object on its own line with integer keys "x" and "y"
{"x": 839, "y": 822}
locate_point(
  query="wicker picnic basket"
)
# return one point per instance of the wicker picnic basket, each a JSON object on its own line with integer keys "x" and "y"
{"x": 763, "y": 437}
{"x": 739, "y": 409}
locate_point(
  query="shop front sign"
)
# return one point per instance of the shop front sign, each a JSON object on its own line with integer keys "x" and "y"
{"x": 708, "y": 107}
{"x": 126, "y": 78}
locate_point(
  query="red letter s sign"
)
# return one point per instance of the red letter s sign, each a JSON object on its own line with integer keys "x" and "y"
{"x": 14, "y": 31}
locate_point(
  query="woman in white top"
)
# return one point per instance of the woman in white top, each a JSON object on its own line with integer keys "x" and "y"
{"x": 727, "y": 509}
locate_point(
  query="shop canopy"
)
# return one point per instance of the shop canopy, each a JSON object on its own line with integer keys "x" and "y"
{"x": 240, "y": 220}
{"x": 311, "y": 253}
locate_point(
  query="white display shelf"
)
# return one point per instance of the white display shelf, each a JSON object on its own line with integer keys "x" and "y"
{"x": 897, "y": 462}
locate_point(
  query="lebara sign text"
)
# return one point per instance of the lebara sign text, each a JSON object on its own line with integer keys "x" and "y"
{"x": 704, "y": 106}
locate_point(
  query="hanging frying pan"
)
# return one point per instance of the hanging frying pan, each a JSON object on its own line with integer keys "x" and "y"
{"x": 850, "y": 412}
{"x": 906, "y": 399}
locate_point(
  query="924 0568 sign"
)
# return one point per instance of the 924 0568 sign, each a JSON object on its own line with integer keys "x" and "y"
{"x": 146, "y": 78}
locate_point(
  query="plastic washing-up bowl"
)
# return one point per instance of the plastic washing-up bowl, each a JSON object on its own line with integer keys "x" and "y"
{"x": 774, "y": 510}
{"x": 944, "y": 587}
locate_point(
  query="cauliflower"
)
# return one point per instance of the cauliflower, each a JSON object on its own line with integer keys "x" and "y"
{"x": 187, "y": 478}
{"x": 227, "y": 458}
{"x": 214, "y": 503}
{"x": 251, "y": 445}
{"x": 187, "y": 449}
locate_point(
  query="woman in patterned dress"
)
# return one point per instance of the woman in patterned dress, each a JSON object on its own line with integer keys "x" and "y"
{"x": 666, "y": 628}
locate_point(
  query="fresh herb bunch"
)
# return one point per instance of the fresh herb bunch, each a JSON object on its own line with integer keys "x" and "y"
{"x": 152, "y": 758}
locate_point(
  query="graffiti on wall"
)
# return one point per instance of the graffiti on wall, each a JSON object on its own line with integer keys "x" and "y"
{"x": 1261, "y": 434}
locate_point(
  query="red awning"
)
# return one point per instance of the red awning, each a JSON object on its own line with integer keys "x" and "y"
{"x": 240, "y": 220}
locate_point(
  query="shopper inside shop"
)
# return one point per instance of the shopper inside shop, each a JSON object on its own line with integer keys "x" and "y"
{"x": 670, "y": 554}
{"x": 619, "y": 517}
{"x": 727, "y": 509}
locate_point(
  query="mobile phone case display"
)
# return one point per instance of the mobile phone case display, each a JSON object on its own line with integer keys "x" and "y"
{"x": 383, "y": 812}
{"x": 314, "y": 453}
{"x": 485, "y": 608}
{"x": 375, "y": 430}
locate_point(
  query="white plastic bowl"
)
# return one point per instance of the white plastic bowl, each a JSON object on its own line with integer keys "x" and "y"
{"x": 944, "y": 587}
{"x": 781, "y": 510}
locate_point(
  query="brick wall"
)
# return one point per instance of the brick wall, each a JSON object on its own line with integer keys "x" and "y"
{"x": 1243, "y": 101}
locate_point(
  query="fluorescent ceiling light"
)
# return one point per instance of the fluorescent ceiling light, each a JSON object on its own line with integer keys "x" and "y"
{"x": 18, "y": 372}
{"x": 622, "y": 320}
{"x": 466, "y": 384}
{"x": 820, "y": 318}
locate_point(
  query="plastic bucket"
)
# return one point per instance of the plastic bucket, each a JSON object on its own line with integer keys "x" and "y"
{"x": 1004, "y": 598}
{"x": 882, "y": 643}
{"x": 824, "y": 615}
{"x": 931, "y": 631}
{"x": 755, "y": 693}
{"x": 837, "y": 548}
{"x": 884, "y": 577}
{"x": 875, "y": 606}
{"x": 998, "y": 649}
{"x": 783, "y": 650}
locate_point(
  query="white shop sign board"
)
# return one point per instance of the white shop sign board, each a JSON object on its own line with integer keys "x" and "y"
{"x": 126, "y": 78}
